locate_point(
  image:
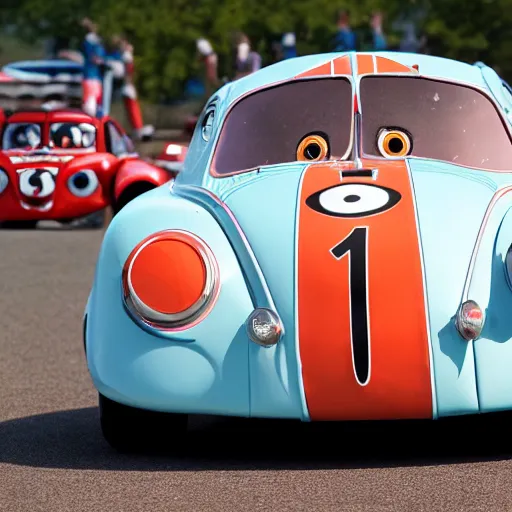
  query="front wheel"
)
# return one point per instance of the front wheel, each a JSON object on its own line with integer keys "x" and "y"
{"x": 130, "y": 193}
{"x": 128, "y": 429}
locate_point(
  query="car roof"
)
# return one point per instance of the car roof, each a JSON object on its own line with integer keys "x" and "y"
{"x": 52, "y": 116}
{"x": 428, "y": 66}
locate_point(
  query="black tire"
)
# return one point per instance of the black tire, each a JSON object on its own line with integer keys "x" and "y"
{"x": 95, "y": 220}
{"x": 128, "y": 429}
{"x": 130, "y": 193}
{"x": 19, "y": 224}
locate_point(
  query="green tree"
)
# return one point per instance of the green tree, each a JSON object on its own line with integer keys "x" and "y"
{"x": 164, "y": 32}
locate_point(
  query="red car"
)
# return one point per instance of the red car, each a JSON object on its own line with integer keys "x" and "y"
{"x": 172, "y": 157}
{"x": 63, "y": 164}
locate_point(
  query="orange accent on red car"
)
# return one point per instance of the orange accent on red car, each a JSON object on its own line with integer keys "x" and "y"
{"x": 398, "y": 383}
{"x": 168, "y": 274}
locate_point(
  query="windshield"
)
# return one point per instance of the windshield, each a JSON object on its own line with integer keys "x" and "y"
{"x": 22, "y": 136}
{"x": 72, "y": 136}
{"x": 302, "y": 120}
{"x": 444, "y": 121}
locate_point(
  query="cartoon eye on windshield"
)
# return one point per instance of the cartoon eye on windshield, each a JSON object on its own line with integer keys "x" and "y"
{"x": 22, "y": 136}
{"x": 394, "y": 143}
{"x": 72, "y": 135}
{"x": 313, "y": 148}
{"x": 353, "y": 200}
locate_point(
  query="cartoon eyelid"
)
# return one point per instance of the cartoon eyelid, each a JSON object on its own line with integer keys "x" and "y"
{"x": 394, "y": 129}
{"x": 319, "y": 133}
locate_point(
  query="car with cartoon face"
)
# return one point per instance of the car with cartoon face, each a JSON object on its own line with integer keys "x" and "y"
{"x": 337, "y": 246}
{"x": 64, "y": 164}
{"x": 172, "y": 156}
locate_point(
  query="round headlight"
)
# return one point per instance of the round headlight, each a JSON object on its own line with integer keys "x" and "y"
{"x": 170, "y": 280}
{"x": 83, "y": 183}
{"x": 4, "y": 180}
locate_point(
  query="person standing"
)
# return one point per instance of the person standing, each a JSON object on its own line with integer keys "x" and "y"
{"x": 345, "y": 39}
{"x": 129, "y": 92}
{"x": 94, "y": 59}
{"x": 247, "y": 61}
{"x": 288, "y": 45}
{"x": 379, "y": 39}
{"x": 210, "y": 61}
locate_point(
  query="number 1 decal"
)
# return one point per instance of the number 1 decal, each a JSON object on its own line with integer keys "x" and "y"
{"x": 355, "y": 245}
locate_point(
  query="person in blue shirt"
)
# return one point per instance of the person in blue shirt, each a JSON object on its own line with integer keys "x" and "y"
{"x": 345, "y": 39}
{"x": 94, "y": 60}
{"x": 379, "y": 39}
{"x": 115, "y": 63}
{"x": 288, "y": 48}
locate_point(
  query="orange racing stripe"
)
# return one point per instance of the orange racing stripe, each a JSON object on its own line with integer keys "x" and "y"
{"x": 365, "y": 64}
{"x": 338, "y": 66}
{"x": 359, "y": 366}
{"x": 323, "y": 69}
{"x": 342, "y": 65}
{"x": 391, "y": 66}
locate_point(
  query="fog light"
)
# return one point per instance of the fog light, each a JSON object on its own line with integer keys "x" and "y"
{"x": 470, "y": 320}
{"x": 264, "y": 327}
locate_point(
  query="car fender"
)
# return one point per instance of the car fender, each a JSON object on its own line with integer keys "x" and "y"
{"x": 491, "y": 288}
{"x": 134, "y": 171}
{"x": 203, "y": 368}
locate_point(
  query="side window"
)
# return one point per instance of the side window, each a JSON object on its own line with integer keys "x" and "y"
{"x": 507, "y": 87}
{"x": 116, "y": 142}
{"x": 207, "y": 123}
{"x": 507, "y": 93}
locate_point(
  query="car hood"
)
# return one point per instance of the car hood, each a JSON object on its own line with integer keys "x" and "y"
{"x": 417, "y": 255}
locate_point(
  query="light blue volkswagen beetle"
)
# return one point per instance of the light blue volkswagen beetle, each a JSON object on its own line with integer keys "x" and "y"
{"x": 336, "y": 247}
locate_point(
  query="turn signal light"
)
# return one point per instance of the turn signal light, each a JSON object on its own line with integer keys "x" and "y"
{"x": 170, "y": 280}
{"x": 470, "y": 320}
{"x": 264, "y": 327}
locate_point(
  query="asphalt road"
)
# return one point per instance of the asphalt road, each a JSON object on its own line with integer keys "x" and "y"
{"x": 53, "y": 457}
